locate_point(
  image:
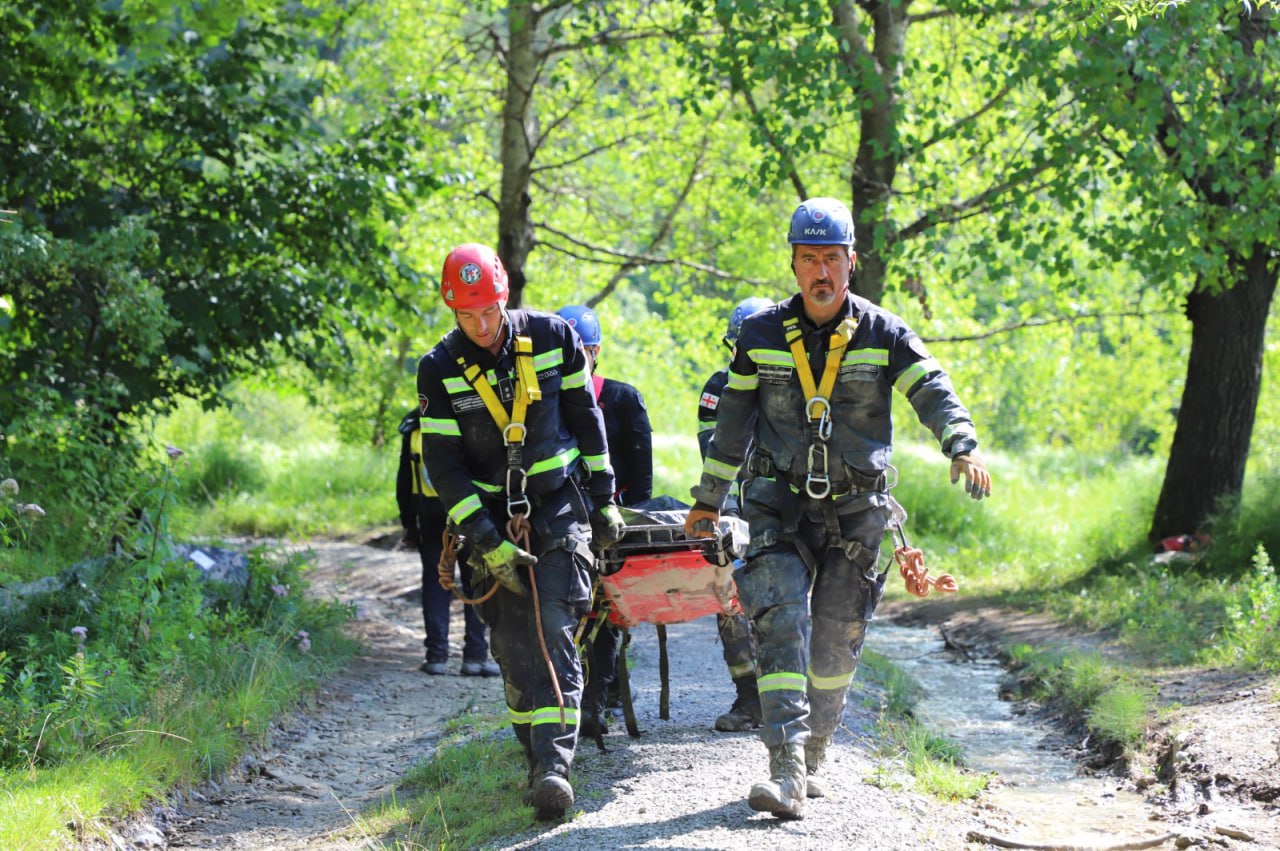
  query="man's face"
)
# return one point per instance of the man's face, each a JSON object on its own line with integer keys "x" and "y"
{"x": 822, "y": 272}
{"x": 481, "y": 326}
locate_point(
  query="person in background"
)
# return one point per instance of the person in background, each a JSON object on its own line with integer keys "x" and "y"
{"x": 423, "y": 520}
{"x": 630, "y": 437}
{"x": 735, "y": 630}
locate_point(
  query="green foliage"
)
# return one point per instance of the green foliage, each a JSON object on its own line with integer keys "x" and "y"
{"x": 87, "y": 661}
{"x": 1250, "y": 637}
{"x": 435, "y": 805}
{"x": 1116, "y": 706}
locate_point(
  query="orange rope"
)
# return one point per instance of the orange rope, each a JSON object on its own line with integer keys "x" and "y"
{"x": 911, "y": 565}
{"x": 444, "y": 571}
{"x": 518, "y": 533}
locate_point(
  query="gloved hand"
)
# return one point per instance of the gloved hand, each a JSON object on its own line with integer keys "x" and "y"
{"x": 607, "y": 526}
{"x": 977, "y": 481}
{"x": 502, "y": 563}
{"x": 702, "y": 522}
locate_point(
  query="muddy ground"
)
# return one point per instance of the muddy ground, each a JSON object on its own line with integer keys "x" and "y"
{"x": 1210, "y": 776}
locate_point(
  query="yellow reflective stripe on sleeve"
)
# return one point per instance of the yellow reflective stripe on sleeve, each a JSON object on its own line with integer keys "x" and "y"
{"x": 486, "y": 487}
{"x": 786, "y": 681}
{"x": 556, "y": 462}
{"x": 446, "y": 427}
{"x": 830, "y": 683}
{"x": 772, "y": 357}
{"x": 742, "y": 382}
{"x": 551, "y": 715}
{"x": 596, "y": 463}
{"x": 546, "y": 360}
{"x": 706, "y": 427}
{"x": 465, "y": 508}
{"x": 719, "y": 469}
{"x": 914, "y": 373}
{"x": 574, "y": 380}
{"x": 518, "y": 717}
{"x": 878, "y": 357}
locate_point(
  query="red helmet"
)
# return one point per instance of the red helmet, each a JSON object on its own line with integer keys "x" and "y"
{"x": 473, "y": 278}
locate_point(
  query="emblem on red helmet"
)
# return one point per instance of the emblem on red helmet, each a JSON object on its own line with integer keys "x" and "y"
{"x": 473, "y": 278}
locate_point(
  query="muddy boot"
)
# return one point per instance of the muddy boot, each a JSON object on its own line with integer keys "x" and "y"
{"x": 550, "y": 795}
{"x": 815, "y": 753}
{"x": 745, "y": 713}
{"x": 783, "y": 793}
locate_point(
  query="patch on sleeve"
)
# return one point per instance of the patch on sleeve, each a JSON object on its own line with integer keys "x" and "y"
{"x": 917, "y": 347}
{"x": 710, "y": 401}
{"x": 422, "y": 405}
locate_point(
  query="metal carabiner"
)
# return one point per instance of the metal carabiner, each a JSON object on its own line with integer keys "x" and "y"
{"x": 817, "y": 484}
{"x": 519, "y": 505}
{"x": 824, "y": 418}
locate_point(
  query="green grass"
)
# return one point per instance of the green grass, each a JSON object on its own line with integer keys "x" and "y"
{"x": 935, "y": 762}
{"x": 1114, "y": 702}
{"x": 468, "y": 795}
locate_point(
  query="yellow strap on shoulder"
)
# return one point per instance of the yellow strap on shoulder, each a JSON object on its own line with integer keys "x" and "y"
{"x": 527, "y": 391}
{"x": 420, "y": 484}
{"x": 817, "y": 397}
{"x": 475, "y": 377}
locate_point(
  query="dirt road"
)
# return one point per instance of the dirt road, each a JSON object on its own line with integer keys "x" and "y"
{"x": 681, "y": 785}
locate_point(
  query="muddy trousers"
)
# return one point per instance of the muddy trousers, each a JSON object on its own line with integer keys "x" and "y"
{"x": 560, "y": 539}
{"x": 738, "y": 644}
{"x": 809, "y": 619}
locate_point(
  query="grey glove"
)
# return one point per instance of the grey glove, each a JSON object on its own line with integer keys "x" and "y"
{"x": 607, "y": 526}
{"x": 503, "y": 563}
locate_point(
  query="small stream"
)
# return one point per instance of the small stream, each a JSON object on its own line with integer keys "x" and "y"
{"x": 1054, "y": 802}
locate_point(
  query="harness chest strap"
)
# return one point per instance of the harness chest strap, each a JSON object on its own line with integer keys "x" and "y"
{"x": 818, "y": 396}
{"x": 527, "y": 391}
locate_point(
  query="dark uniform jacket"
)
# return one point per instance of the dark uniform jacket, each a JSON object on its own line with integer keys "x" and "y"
{"x": 626, "y": 422}
{"x": 409, "y": 500}
{"x": 762, "y": 400}
{"x": 466, "y": 456}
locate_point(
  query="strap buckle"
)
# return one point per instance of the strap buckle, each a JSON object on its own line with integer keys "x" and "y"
{"x": 506, "y": 433}
{"x": 823, "y": 425}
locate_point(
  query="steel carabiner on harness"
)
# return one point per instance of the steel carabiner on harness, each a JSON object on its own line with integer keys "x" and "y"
{"x": 818, "y": 483}
{"x": 822, "y": 428}
{"x": 517, "y": 505}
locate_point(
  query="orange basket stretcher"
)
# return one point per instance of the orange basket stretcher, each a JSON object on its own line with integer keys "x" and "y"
{"x": 656, "y": 575}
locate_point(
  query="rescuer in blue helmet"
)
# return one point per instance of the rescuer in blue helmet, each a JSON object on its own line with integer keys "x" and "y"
{"x": 817, "y": 450}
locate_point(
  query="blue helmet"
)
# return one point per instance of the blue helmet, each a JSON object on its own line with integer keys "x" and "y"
{"x": 745, "y": 308}
{"x": 583, "y": 320}
{"x": 821, "y": 221}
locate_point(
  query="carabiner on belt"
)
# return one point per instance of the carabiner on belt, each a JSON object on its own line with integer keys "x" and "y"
{"x": 817, "y": 484}
{"x": 517, "y": 504}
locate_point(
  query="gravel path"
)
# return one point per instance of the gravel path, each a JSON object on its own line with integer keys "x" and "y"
{"x": 679, "y": 785}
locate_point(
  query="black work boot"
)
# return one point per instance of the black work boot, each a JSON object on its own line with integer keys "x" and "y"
{"x": 745, "y": 713}
{"x": 783, "y": 793}
{"x": 815, "y": 754}
{"x": 550, "y": 795}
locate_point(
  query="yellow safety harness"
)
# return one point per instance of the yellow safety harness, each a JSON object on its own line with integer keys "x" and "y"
{"x": 511, "y": 425}
{"x": 818, "y": 396}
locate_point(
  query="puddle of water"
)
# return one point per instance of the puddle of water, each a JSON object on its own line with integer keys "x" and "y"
{"x": 1042, "y": 789}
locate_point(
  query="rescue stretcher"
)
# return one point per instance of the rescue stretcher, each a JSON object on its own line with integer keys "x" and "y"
{"x": 654, "y": 574}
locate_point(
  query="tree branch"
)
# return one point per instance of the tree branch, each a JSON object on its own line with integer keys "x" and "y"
{"x": 1039, "y": 323}
{"x": 664, "y": 229}
{"x": 955, "y": 126}
{"x": 624, "y": 258}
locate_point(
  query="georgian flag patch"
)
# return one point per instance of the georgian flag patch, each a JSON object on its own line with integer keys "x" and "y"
{"x": 709, "y": 401}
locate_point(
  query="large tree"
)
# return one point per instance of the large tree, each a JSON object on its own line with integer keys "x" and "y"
{"x": 1190, "y": 101}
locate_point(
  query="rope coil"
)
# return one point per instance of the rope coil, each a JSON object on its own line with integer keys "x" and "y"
{"x": 916, "y": 576}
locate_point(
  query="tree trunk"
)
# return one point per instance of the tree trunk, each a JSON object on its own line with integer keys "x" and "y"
{"x": 519, "y": 142}
{"x": 1220, "y": 399}
{"x": 876, "y": 162}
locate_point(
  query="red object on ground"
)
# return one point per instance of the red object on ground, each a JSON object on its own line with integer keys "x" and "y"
{"x": 669, "y": 587}
{"x": 1184, "y": 544}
